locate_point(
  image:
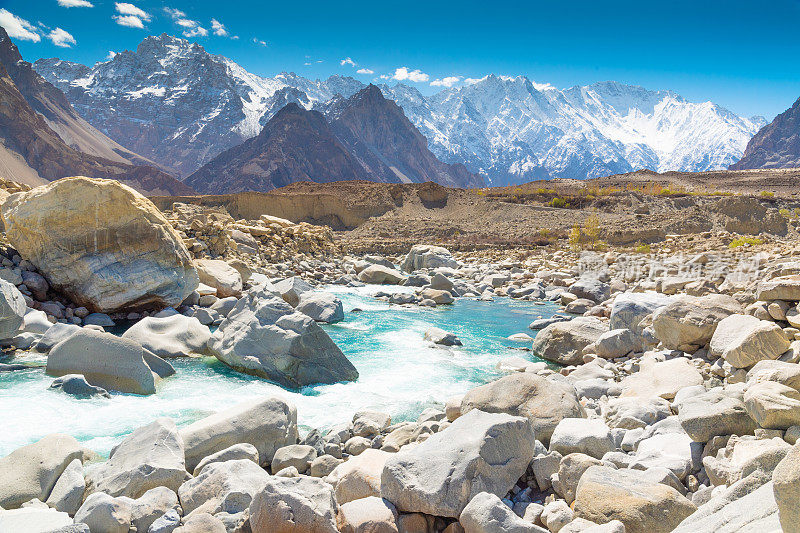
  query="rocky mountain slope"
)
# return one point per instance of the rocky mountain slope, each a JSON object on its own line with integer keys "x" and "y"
{"x": 776, "y": 145}
{"x": 173, "y": 102}
{"x": 514, "y": 130}
{"x": 363, "y": 137}
{"x": 180, "y": 106}
{"x": 33, "y": 152}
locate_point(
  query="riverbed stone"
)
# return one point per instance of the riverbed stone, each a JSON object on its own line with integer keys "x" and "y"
{"x": 267, "y": 424}
{"x": 442, "y": 337}
{"x": 735, "y": 511}
{"x": 380, "y": 275}
{"x": 663, "y": 379}
{"x": 33, "y": 470}
{"x": 221, "y": 276}
{"x": 690, "y": 321}
{"x": 171, "y": 336}
{"x": 616, "y": 343}
{"x": 423, "y": 256}
{"x": 36, "y": 520}
{"x": 479, "y": 452}
{"x": 76, "y": 385}
{"x": 544, "y": 402}
{"x": 105, "y": 513}
{"x": 590, "y": 288}
{"x": 67, "y": 493}
{"x": 564, "y": 342}
{"x": 228, "y": 487}
{"x": 151, "y": 456}
{"x": 367, "y": 515}
{"x": 294, "y": 505}
{"x": 643, "y": 506}
{"x": 714, "y": 413}
{"x": 12, "y": 310}
{"x": 359, "y": 476}
{"x": 629, "y": 308}
{"x": 237, "y": 451}
{"x": 773, "y": 405}
{"x": 122, "y": 367}
{"x": 582, "y": 435}
{"x": 486, "y": 513}
{"x": 743, "y": 456}
{"x": 264, "y": 336}
{"x": 291, "y": 289}
{"x": 321, "y": 306}
{"x": 779, "y": 288}
{"x": 101, "y": 243}
{"x": 786, "y": 480}
{"x": 296, "y": 455}
{"x": 744, "y": 340}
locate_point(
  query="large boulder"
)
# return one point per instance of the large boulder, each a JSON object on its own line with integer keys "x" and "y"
{"x": 380, "y": 275}
{"x": 36, "y": 520}
{"x": 643, "y": 505}
{"x": 743, "y": 456}
{"x": 221, "y": 276}
{"x": 107, "y": 361}
{"x": 67, "y": 493}
{"x": 544, "y": 402}
{"x": 744, "y": 340}
{"x": 582, "y": 435}
{"x": 228, "y": 487}
{"x": 563, "y": 342}
{"x": 171, "y": 336}
{"x": 690, "y": 321}
{"x": 630, "y": 308}
{"x": 321, "y": 306}
{"x": 264, "y": 336}
{"x": 151, "y": 456}
{"x": 100, "y": 242}
{"x": 291, "y": 289}
{"x": 12, "y": 310}
{"x": 479, "y": 452}
{"x": 786, "y": 480}
{"x": 780, "y": 288}
{"x": 267, "y": 424}
{"x": 293, "y": 505}
{"x": 425, "y": 256}
{"x": 32, "y": 471}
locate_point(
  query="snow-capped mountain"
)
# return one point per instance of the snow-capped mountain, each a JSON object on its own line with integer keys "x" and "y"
{"x": 513, "y": 130}
{"x": 176, "y": 104}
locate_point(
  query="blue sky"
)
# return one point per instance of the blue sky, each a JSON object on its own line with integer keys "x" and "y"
{"x": 742, "y": 55}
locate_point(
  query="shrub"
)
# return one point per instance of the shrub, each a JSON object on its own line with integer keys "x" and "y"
{"x": 767, "y": 194}
{"x": 642, "y": 248}
{"x": 591, "y": 227}
{"x": 742, "y": 241}
{"x": 575, "y": 236}
{"x": 560, "y": 203}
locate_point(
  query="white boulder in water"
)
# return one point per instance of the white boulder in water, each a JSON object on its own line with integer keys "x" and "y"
{"x": 12, "y": 310}
{"x": 171, "y": 336}
{"x": 264, "y": 336}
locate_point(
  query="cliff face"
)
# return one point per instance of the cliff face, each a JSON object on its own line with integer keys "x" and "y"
{"x": 33, "y": 153}
{"x": 776, "y": 145}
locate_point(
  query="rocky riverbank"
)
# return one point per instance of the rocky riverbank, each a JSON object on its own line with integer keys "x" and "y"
{"x": 664, "y": 396}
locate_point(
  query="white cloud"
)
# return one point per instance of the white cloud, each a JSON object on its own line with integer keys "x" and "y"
{"x": 218, "y": 28}
{"x": 472, "y": 81}
{"x": 130, "y": 15}
{"x": 259, "y": 41}
{"x": 174, "y": 13}
{"x": 61, "y": 38}
{"x": 129, "y": 21}
{"x": 347, "y": 61}
{"x": 75, "y": 3}
{"x": 124, "y": 8}
{"x": 18, "y": 28}
{"x": 195, "y": 31}
{"x": 365, "y": 71}
{"x": 449, "y": 81}
{"x": 417, "y": 76}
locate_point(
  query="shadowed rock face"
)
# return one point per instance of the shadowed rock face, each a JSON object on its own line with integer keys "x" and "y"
{"x": 364, "y": 137}
{"x": 44, "y": 139}
{"x": 776, "y": 145}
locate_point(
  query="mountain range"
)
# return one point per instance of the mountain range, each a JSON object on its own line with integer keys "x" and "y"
{"x": 777, "y": 145}
{"x": 174, "y": 103}
{"x": 365, "y": 137}
{"x": 42, "y": 138}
